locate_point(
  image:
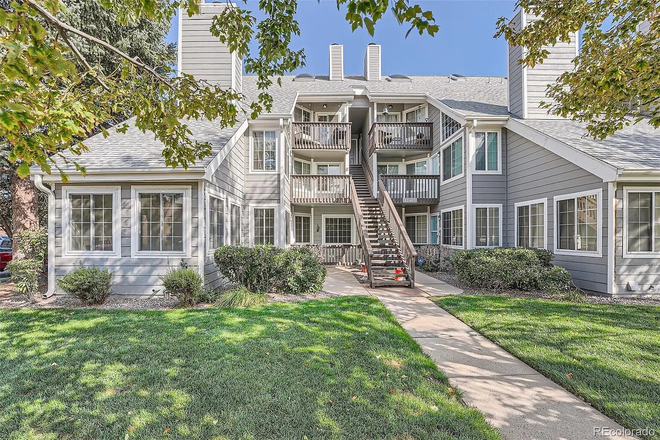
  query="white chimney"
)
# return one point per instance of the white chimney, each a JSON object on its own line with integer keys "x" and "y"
{"x": 527, "y": 86}
{"x": 202, "y": 55}
{"x": 372, "y": 66}
{"x": 336, "y": 62}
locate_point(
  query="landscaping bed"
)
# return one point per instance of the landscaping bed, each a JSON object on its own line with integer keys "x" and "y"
{"x": 334, "y": 368}
{"x": 607, "y": 354}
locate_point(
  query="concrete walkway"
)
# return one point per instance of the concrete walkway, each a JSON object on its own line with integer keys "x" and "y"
{"x": 516, "y": 399}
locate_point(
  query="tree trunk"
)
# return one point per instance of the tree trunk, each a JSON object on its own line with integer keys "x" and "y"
{"x": 24, "y": 208}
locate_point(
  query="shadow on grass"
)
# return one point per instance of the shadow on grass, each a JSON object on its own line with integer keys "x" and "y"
{"x": 340, "y": 368}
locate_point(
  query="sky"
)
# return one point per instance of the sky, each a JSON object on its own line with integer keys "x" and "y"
{"x": 464, "y": 44}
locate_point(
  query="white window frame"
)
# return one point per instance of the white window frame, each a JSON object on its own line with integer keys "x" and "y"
{"x": 448, "y": 144}
{"x": 543, "y": 201}
{"x": 216, "y": 195}
{"x": 438, "y": 233}
{"x": 440, "y": 228}
{"x": 415, "y": 162}
{"x": 276, "y": 220}
{"x": 305, "y": 110}
{"x": 342, "y": 171}
{"x": 240, "y": 221}
{"x": 442, "y": 128}
{"x": 297, "y": 159}
{"x": 414, "y": 109}
{"x": 136, "y": 190}
{"x": 499, "y": 153}
{"x": 599, "y": 224}
{"x": 638, "y": 189}
{"x": 277, "y": 153}
{"x": 353, "y": 228}
{"x": 428, "y": 226}
{"x": 115, "y": 191}
{"x": 311, "y": 229}
{"x": 474, "y": 222}
{"x": 389, "y": 164}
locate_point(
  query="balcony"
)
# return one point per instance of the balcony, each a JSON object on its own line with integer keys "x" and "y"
{"x": 321, "y": 136}
{"x": 424, "y": 189}
{"x": 401, "y": 136}
{"x": 320, "y": 189}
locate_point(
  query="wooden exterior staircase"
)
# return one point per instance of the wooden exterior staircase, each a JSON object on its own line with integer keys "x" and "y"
{"x": 387, "y": 265}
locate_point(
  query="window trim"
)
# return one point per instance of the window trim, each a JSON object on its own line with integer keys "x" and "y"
{"x": 624, "y": 206}
{"x": 428, "y": 226}
{"x": 225, "y": 203}
{"x": 276, "y": 221}
{"x": 342, "y": 171}
{"x": 311, "y": 230}
{"x": 115, "y": 191}
{"x": 414, "y": 162}
{"x": 438, "y": 232}
{"x": 240, "y": 223}
{"x": 353, "y": 228}
{"x": 499, "y": 152}
{"x": 442, "y": 160}
{"x": 474, "y": 218}
{"x": 444, "y": 139}
{"x": 186, "y": 190}
{"x": 297, "y": 159}
{"x": 545, "y": 219}
{"x": 440, "y": 228}
{"x": 404, "y": 113}
{"x": 277, "y": 153}
{"x": 389, "y": 164}
{"x": 598, "y": 253}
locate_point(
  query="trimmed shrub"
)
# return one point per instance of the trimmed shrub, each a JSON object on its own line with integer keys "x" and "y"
{"x": 263, "y": 269}
{"x": 25, "y": 274}
{"x": 511, "y": 268}
{"x": 91, "y": 284}
{"x": 184, "y": 284}
{"x": 208, "y": 296}
{"x": 240, "y": 298}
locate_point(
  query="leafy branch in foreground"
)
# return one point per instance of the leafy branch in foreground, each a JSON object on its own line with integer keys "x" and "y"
{"x": 616, "y": 80}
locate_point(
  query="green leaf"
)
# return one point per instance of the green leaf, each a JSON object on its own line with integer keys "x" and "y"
{"x": 23, "y": 170}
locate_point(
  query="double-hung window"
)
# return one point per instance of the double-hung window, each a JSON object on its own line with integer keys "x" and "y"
{"x": 487, "y": 151}
{"x": 578, "y": 223}
{"x": 487, "y": 226}
{"x": 162, "y": 221}
{"x": 452, "y": 227}
{"x": 641, "y": 221}
{"x": 264, "y": 225}
{"x": 417, "y": 228}
{"x": 264, "y": 151}
{"x": 303, "y": 230}
{"x": 91, "y": 220}
{"x": 337, "y": 230}
{"x": 216, "y": 221}
{"x": 530, "y": 224}
{"x": 452, "y": 160}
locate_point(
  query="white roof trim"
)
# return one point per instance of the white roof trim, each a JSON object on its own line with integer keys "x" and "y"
{"x": 595, "y": 166}
{"x": 213, "y": 166}
{"x": 446, "y": 109}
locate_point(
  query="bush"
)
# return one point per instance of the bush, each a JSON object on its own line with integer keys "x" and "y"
{"x": 511, "y": 268}
{"x": 25, "y": 274}
{"x": 184, "y": 284}
{"x": 33, "y": 244}
{"x": 240, "y": 298}
{"x": 208, "y": 296}
{"x": 262, "y": 269}
{"x": 91, "y": 284}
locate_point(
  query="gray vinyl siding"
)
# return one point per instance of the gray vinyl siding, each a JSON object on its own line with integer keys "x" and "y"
{"x": 202, "y": 55}
{"x": 228, "y": 181}
{"x": 644, "y": 271}
{"x": 260, "y": 187}
{"x": 134, "y": 276}
{"x": 515, "y": 80}
{"x": 453, "y": 193}
{"x": 536, "y": 173}
{"x": 540, "y": 76}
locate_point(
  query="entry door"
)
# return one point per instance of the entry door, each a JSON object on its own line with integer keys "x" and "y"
{"x": 355, "y": 151}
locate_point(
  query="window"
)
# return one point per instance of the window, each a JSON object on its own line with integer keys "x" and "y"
{"x": 301, "y": 114}
{"x": 264, "y": 151}
{"x": 416, "y": 227}
{"x": 530, "y": 224}
{"x": 161, "y": 221}
{"x": 337, "y": 230}
{"x": 389, "y": 169}
{"x": 302, "y": 225}
{"x": 642, "y": 221}
{"x": 434, "y": 229}
{"x": 452, "y": 160}
{"x": 449, "y": 127}
{"x": 452, "y": 227}
{"x": 264, "y": 226}
{"x": 216, "y": 221}
{"x": 301, "y": 167}
{"x": 487, "y": 226}
{"x": 418, "y": 114}
{"x": 487, "y": 154}
{"x": 329, "y": 168}
{"x": 416, "y": 168}
{"x": 235, "y": 225}
{"x": 577, "y": 223}
{"x": 390, "y": 117}
{"x": 91, "y": 220}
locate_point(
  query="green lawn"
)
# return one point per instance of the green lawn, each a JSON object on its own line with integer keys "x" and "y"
{"x": 339, "y": 368}
{"x": 608, "y": 354}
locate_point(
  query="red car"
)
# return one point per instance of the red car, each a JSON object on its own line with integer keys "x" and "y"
{"x": 5, "y": 251}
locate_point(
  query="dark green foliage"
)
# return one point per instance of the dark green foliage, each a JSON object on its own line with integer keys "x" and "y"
{"x": 240, "y": 298}
{"x": 91, "y": 284}
{"x": 511, "y": 268}
{"x": 208, "y": 296}
{"x": 25, "y": 275}
{"x": 185, "y": 284}
{"x": 263, "y": 269}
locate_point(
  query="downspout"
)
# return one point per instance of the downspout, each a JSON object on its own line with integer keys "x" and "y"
{"x": 38, "y": 182}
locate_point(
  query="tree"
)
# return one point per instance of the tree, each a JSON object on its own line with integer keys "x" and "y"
{"x": 616, "y": 80}
{"x": 52, "y": 94}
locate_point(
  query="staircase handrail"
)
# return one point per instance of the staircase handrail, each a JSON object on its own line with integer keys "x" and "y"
{"x": 367, "y": 250}
{"x": 408, "y": 251}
